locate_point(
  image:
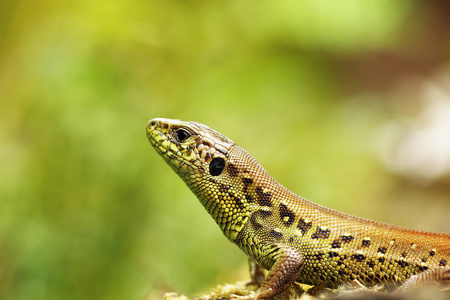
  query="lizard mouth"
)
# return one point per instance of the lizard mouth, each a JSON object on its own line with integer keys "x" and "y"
{"x": 158, "y": 133}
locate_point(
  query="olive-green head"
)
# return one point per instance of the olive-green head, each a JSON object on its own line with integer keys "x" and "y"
{"x": 202, "y": 157}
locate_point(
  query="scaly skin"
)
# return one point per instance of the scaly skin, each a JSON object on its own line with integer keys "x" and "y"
{"x": 293, "y": 238}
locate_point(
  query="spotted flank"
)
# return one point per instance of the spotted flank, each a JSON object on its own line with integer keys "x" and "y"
{"x": 291, "y": 237}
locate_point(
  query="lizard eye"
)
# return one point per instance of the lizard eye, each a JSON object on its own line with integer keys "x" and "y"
{"x": 216, "y": 166}
{"x": 182, "y": 135}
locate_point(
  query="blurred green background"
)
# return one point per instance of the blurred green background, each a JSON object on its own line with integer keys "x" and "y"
{"x": 344, "y": 102}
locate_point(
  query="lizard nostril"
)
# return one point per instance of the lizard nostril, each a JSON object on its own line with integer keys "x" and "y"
{"x": 152, "y": 124}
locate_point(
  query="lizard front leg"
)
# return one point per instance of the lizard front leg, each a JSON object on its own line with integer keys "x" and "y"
{"x": 287, "y": 265}
{"x": 256, "y": 273}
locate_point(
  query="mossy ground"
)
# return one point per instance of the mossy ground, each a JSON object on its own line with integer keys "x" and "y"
{"x": 299, "y": 292}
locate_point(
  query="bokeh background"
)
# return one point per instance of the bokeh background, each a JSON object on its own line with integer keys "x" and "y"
{"x": 344, "y": 102}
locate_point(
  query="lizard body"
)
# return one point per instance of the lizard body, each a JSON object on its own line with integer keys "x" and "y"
{"x": 293, "y": 238}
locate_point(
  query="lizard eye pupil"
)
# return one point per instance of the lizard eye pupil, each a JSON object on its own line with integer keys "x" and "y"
{"x": 182, "y": 135}
{"x": 216, "y": 166}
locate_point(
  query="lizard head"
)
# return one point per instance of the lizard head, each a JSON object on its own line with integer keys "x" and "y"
{"x": 203, "y": 158}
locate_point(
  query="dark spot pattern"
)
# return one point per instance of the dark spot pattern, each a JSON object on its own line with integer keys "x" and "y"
{"x": 336, "y": 244}
{"x": 404, "y": 255}
{"x": 365, "y": 243}
{"x": 263, "y": 198}
{"x": 247, "y": 181}
{"x": 236, "y": 199}
{"x": 370, "y": 264}
{"x": 238, "y": 202}
{"x": 232, "y": 170}
{"x": 249, "y": 198}
{"x": 285, "y": 212}
{"x": 277, "y": 235}
{"x": 321, "y": 233}
{"x": 402, "y": 263}
{"x": 224, "y": 188}
{"x": 347, "y": 238}
{"x": 432, "y": 253}
{"x": 424, "y": 259}
{"x": 319, "y": 256}
{"x": 381, "y": 259}
{"x": 333, "y": 254}
{"x": 382, "y": 250}
{"x": 303, "y": 226}
{"x": 422, "y": 268}
{"x": 359, "y": 257}
{"x": 443, "y": 263}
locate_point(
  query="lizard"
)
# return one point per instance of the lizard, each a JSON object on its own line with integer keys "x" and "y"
{"x": 295, "y": 239}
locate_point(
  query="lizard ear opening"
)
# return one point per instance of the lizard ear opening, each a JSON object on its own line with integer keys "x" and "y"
{"x": 216, "y": 166}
